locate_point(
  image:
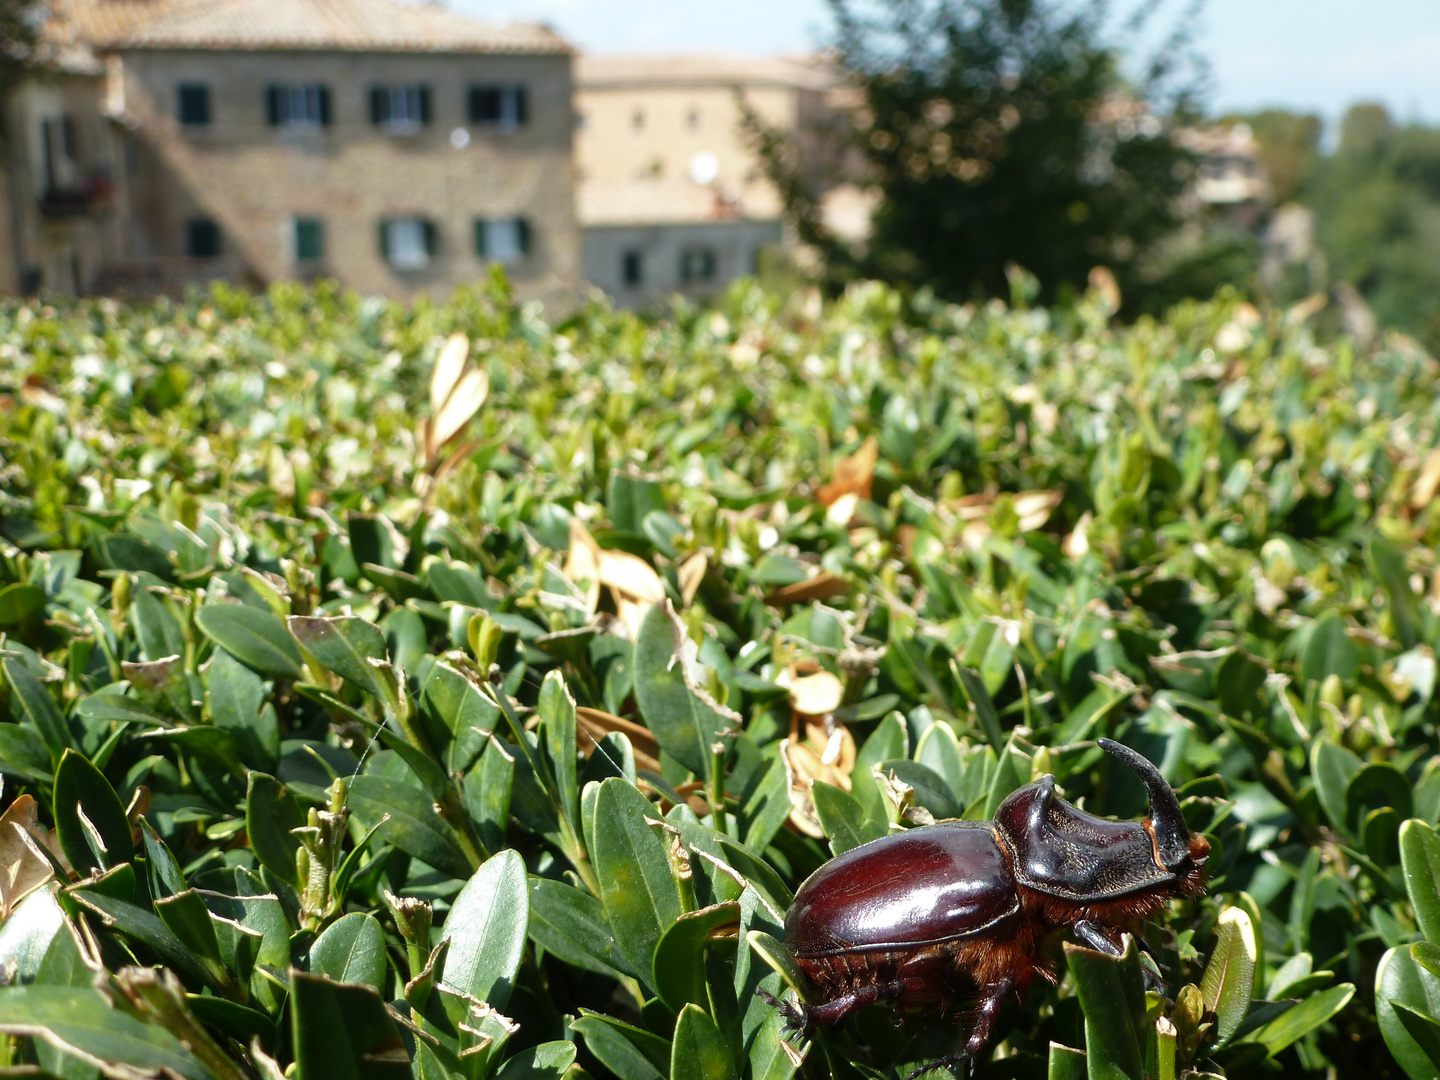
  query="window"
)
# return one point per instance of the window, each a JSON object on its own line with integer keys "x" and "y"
{"x": 697, "y": 264}
{"x": 309, "y": 239}
{"x": 400, "y": 108}
{"x": 502, "y": 240}
{"x": 407, "y": 243}
{"x": 637, "y": 120}
{"x": 692, "y": 119}
{"x": 499, "y": 106}
{"x": 297, "y": 106}
{"x": 202, "y": 238}
{"x": 632, "y": 268}
{"x": 193, "y": 105}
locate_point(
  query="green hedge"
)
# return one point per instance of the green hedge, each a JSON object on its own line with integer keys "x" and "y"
{"x": 437, "y": 691}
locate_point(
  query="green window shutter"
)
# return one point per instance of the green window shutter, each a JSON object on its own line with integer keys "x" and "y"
{"x": 379, "y": 104}
{"x": 482, "y": 248}
{"x": 425, "y": 105}
{"x": 309, "y": 240}
{"x": 325, "y": 105}
{"x": 385, "y": 240}
{"x": 522, "y": 227}
{"x": 272, "y": 105}
{"x": 431, "y": 239}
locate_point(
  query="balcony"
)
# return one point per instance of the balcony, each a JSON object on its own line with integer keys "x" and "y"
{"x": 93, "y": 197}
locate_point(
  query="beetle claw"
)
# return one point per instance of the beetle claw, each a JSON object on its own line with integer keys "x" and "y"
{"x": 793, "y": 1013}
{"x": 956, "y": 1063}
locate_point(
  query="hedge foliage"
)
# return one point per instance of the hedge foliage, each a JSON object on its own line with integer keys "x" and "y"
{"x": 433, "y": 691}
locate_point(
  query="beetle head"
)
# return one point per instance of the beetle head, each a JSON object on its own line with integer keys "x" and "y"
{"x": 1061, "y": 850}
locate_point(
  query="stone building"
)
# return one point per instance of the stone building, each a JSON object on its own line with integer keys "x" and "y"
{"x": 398, "y": 148}
{"x": 672, "y": 197}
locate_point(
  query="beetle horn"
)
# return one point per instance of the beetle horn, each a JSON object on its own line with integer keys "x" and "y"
{"x": 1172, "y": 837}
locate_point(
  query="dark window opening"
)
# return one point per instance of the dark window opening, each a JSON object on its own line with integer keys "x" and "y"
{"x": 697, "y": 264}
{"x": 408, "y": 243}
{"x": 400, "y": 107}
{"x": 194, "y": 104}
{"x": 637, "y": 120}
{"x": 202, "y": 239}
{"x": 499, "y": 106}
{"x": 632, "y": 268}
{"x": 502, "y": 240}
{"x": 692, "y": 119}
{"x": 298, "y": 106}
{"x": 309, "y": 240}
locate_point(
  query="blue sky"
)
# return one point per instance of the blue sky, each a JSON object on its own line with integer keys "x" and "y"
{"x": 1311, "y": 54}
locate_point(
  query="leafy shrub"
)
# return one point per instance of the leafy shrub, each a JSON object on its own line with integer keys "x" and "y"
{"x": 353, "y": 737}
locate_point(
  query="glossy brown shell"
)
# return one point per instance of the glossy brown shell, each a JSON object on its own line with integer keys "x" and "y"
{"x": 924, "y": 886}
{"x": 1061, "y": 850}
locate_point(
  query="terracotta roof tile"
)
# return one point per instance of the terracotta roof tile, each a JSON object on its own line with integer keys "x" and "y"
{"x": 340, "y": 25}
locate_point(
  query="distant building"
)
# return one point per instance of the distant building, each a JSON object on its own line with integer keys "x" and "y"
{"x": 399, "y": 148}
{"x": 671, "y": 196}
{"x": 1229, "y": 178}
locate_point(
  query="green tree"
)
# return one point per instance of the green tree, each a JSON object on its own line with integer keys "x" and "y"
{"x": 21, "y": 51}
{"x": 998, "y": 132}
{"x": 1377, "y": 206}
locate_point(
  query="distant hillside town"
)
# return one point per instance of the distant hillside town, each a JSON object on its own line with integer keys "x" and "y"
{"x": 403, "y": 148}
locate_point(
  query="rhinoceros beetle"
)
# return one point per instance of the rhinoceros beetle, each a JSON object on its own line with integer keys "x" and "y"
{"x": 961, "y": 910}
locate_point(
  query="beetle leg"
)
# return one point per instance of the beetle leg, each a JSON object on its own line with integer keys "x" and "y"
{"x": 801, "y": 1017}
{"x": 994, "y": 1000}
{"x": 1095, "y": 936}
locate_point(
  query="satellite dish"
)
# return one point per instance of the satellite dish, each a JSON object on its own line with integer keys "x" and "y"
{"x": 704, "y": 168}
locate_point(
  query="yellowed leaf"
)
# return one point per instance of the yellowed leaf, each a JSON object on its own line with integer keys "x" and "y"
{"x": 1105, "y": 288}
{"x": 582, "y": 562}
{"x": 1034, "y": 508}
{"x": 822, "y": 586}
{"x": 816, "y": 695}
{"x": 462, "y": 404}
{"x": 803, "y": 766}
{"x": 631, "y": 575}
{"x": 691, "y": 573}
{"x": 23, "y": 865}
{"x": 1426, "y": 484}
{"x": 449, "y": 364}
{"x": 842, "y": 510}
{"x": 853, "y": 474}
{"x": 595, "y": 724}
{"x": 834, "y": 744}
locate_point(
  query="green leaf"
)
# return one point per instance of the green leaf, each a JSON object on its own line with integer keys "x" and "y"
{"x": 486, "y": 928}
{"x": 1112, "y": 999}
{"x": 778, "y": 957}
{"x": 256, "y": 638}
{"x": 628, "y": 1052}
{"x": 149, "y": 929}
{"x": 19, "y": 602}
{"x": 466, "y": 713}
{"x": 1388, "y": 563}
{"x": 931, "y": 791}
{"x": 1304, "y": 1018}
{"x": 1427, "y": 955}
{"x": 342, "y": 1031}
{"x": 236, "y": 696}
{"x": 636, "y": 885}
{"x": 886, "y": 743}
{"x": 1423, "y": 1029}
{"x": 684, "y": 725}
{"x": 1229, "y": 980}
{"x": 983, "y": 705}
{"x": 89, "y": 819}
{"x": 1333, "y": 767}
{"x": 30, "y": 934}
{"x": 843, "y": 819}
{"x": 344, "y": 646}
{"x": 162, "y": 871}
{"x": 351, "y": 950}
{"x": 1066, "y": 1063}
{"x": 189, "y": 920}
{"x": 679, "y": 967}
{"x": 768, "y": 1057}
{"x": 1398, "y": 979}
{"x": 488, "y": 789}
{"x": 1329, "y": 651}
{"x": 31, "y": 701}
{"x": 158, "y": 630}
{"x": 556, "y": 710}
{"x": 1420, "y": 867}
{"x": 698, "y": 1051}
{"x": 271, "y": 814}
{"x": 79, "y": 1021}
{"x": 414, "y": 826}
{"x": 572, "y": 925}
{"x": 548, "y": 1061}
